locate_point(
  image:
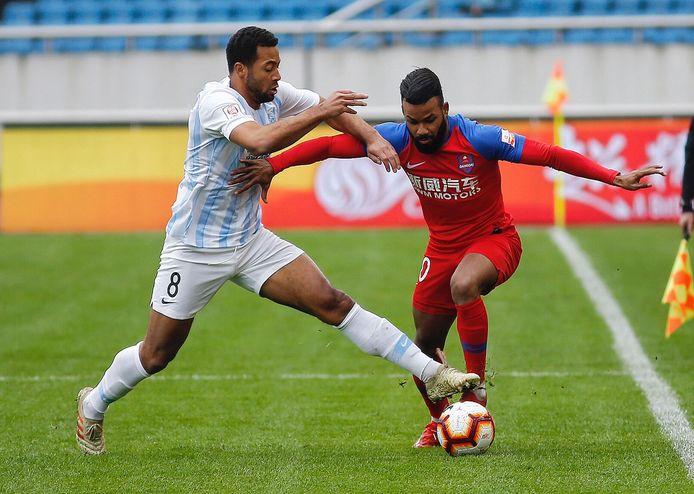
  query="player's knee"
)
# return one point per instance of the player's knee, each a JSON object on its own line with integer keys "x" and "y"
{"x": 464, "y": 290}
{"x": 155, "y": 361}
{"x": 332, "y": 306}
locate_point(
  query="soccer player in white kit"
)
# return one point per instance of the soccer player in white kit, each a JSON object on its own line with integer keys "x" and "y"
{"x": 215, "y": 235}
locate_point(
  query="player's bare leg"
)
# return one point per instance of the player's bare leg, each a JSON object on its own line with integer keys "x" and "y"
{"x": 432, "y": 330}
{"x": 164, "y": 338}
{"x": 301, "y": 285}
{"x": 475, "y": 276}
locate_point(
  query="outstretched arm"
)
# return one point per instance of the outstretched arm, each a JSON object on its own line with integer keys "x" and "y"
{"x": 261, "y": 139}
{"x": 261, "y": 172}
{"x": 378, "y": 149}
{"x": 538, "y": 153}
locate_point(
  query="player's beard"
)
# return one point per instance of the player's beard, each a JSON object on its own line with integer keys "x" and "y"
{"x": 258, "y": 95}
{"x": 436, "y": 142}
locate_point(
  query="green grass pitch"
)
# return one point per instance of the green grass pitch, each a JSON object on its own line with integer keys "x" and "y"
{"x": 265, "y": 399}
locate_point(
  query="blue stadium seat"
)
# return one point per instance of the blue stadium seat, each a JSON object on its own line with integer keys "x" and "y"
{"x": 181, "y": 12}
{"x": 53, "y": 13}
{"x": 392, "y": 7}
{"x": 531, "y": 8}
{"x": 562, "y": 8}
{"x": 594, "y": 7}
{"x": 456, "y": 38}
{"x": 455, "y": 8}
{"x": 366, "y": 41}
{"x": 309, "y": 9}
{"x": 84, "y": 12}
{"x": 249, "y": 11}
{"x": 504, "y": 37}
{"x": 282, "y": 11}
{"x": 421, "y": 39}
{"x": 115, "y": 13}
{"x": 149, "y": 12}
{"x": 616, "y": 35}
{"x": 661, "y": 36}
{"x": 335, "y": 5}
{"x": 216, "y": 11}
{"x": 541, "y": 37}
{"x": 657, "y": 7}
{"x": 581, "y": 36}
{"x": 19, "y": 14}
{"x": 627, "y": 7}
{"x": 683, "y": 7}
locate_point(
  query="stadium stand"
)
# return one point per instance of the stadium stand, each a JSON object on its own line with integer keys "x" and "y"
{"x": 97, "y": 12}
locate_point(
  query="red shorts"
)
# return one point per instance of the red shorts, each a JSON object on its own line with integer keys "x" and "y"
{"x": 433, "y": 291}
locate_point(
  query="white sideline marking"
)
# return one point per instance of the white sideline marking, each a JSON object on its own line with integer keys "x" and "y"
{"x": 661, "y": 398}
{"x": 299, "y": 377}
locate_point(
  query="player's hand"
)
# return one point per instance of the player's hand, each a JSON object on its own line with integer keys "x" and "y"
{"x": 632, "y": 180}
{"x": 255, "y": 172}
{"x": 382, "y": 152}
{"x": 341, "y": 102}
{"x": 687, "y": 223}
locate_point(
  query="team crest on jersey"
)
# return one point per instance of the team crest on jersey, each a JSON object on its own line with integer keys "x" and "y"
{"x": 466, "y": 163}
{"x": 271, "y": 113}
{"x": 232, "y": 110}
{"x": 508, "y": 137}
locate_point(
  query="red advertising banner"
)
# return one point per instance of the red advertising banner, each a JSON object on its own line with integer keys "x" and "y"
{"x": 125, "y": 179}
{"x": 347, "y": 193}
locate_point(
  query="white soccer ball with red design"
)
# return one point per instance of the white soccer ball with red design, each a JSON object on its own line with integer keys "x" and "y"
{"x": 466, "y": 428}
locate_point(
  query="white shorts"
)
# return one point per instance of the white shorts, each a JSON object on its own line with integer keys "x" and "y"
{"x": 188, "y": 277}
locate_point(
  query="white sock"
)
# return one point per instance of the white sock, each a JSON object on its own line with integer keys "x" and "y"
{"x": 125, "y": 372}
{"x": 377, "y": 336}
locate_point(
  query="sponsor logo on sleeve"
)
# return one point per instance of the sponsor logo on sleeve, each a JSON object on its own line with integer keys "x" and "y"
{"x": 508, "y": 137}
{"x": 232, "y": 110}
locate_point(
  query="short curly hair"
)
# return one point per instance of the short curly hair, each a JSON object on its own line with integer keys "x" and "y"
{"x": 243, "y": 45}
{"x": 419, "y": 86}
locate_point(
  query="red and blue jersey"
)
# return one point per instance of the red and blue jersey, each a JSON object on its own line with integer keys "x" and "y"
{"x": 459, "y": 185}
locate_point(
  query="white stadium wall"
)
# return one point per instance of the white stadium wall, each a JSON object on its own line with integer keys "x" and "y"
{"x": 473, "y": 77}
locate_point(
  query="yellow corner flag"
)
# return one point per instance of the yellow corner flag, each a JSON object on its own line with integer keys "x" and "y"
{"x": 556, "y": 91}
{"x": 679, "y": 292}
{"x": 556, "y": 94}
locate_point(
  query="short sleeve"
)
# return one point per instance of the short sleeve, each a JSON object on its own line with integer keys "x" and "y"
{"x": 491, "y": 141}
{"x": 396, "y": 134}
{"x": 220, "y": 113}
{"x": 292, "y": 101}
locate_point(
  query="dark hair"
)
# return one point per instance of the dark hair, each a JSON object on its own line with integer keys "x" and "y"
{"x": 419, "y": 86}
{"x": 243, "y": 45}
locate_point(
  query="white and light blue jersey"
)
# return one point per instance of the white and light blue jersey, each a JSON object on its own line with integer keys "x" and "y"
{"x": 207, "y": 213}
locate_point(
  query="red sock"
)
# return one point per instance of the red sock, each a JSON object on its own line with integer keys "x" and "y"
{"x": 473, "y": 328}
{"x": 435, "y": 409}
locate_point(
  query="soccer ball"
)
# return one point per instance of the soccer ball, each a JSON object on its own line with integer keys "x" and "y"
{"x": 466, "y": 428}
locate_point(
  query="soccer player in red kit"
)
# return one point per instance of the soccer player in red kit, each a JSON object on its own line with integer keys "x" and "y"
{"x": 453, "y": 165}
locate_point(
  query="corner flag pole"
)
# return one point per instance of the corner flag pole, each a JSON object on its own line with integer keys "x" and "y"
{"x": 556, "y": 94}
